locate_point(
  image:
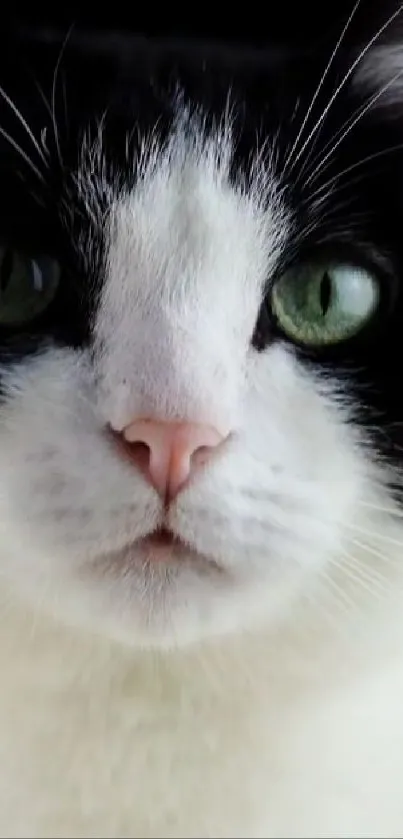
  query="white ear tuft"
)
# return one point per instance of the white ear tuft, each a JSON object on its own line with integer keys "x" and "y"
{"x": 381, "y": 73}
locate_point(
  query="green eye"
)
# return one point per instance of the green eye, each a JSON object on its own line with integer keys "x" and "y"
{"x": 27, "y": 286}
{"x": 319, "y": 305}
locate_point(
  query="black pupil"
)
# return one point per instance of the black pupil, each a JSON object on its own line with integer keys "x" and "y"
{"x": 6, "y": 269}
{"x": 325, "y": 293}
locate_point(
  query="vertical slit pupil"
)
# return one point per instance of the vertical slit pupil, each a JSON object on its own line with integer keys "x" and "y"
{"x": 6, "y": 269}
{"x": 325, "y": 293}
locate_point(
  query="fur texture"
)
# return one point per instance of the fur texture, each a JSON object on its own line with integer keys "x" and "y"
{"x": 250, "y": 682}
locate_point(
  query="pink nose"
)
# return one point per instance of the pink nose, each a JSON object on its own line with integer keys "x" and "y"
{"x": 168, "y": 454}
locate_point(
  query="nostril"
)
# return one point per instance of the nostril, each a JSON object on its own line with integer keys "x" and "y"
{"x": 200, "y": 456}
{"x": 139, "y": 453}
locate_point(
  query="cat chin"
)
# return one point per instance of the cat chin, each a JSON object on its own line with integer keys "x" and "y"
{"x": 161, "y": 557}
{"x": 147, "y": 596}
{"x": 160, "y": 606}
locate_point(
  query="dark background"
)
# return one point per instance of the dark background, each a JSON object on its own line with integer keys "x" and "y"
{"x": 282, "y": 22}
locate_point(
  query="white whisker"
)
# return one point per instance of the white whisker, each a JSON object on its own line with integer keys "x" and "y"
{"x": 372, "y": 575}
{"x": 22, "y": 154}
{"x": 368, "y": 159}
{"x": 369, "y": 586}
{"x": 344, "y": 81}
{"x": 369, "y": 549}
{"x": 54, "y": 82}
{"x": 43, "y": 97}
{"x": 391, "y": 511}
{"x": 321, "y": 82}
{"x": 307, "y": 166}
{"x": 43, "y": 139}
{"x": 64, "y": 93}
{"x": 343, "y": 597}
{"x": 313, "y": 176}
{"x": 373, "y": 535}
{"x": 25, "y": 125}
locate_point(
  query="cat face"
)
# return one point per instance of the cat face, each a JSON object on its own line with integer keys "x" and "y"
{"x": 221, "y": 263}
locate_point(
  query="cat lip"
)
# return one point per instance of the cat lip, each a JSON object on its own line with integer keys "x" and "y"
{"x": 162, "y": 537}
{"x": 163, "y": 544}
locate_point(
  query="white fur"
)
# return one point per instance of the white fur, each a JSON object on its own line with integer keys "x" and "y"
{"x": 255, "y": 692}
{"x": 381, "y": 72}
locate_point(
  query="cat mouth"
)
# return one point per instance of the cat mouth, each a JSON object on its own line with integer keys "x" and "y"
{"x": 164, "y": 545}
{"x": 161, "y": 538}
{"x": 162, "y": 549}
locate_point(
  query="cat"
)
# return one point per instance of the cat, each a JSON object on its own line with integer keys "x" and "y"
{"x": 201, "y": 413}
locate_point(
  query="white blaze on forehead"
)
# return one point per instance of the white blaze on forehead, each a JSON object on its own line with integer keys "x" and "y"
{"x": 188, "y": 257}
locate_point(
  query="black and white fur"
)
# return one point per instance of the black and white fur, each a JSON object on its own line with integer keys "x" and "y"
{"x": 253, "y": 684}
